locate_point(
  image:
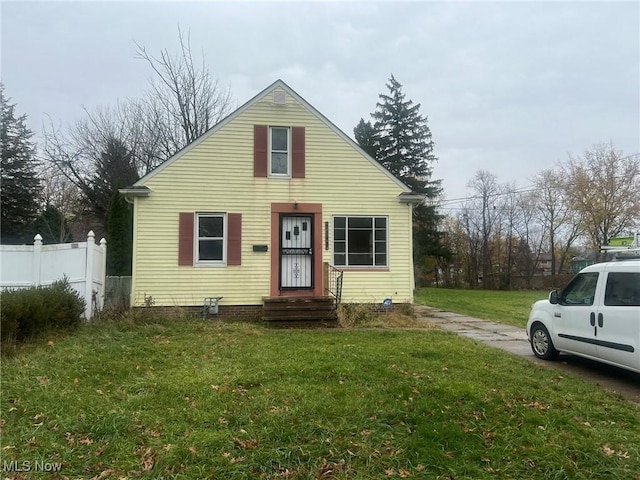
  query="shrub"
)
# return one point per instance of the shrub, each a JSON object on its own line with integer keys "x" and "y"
{"x": 34, "y": 311}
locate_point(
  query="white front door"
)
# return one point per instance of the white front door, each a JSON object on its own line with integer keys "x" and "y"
{"x": 296, "y": 252}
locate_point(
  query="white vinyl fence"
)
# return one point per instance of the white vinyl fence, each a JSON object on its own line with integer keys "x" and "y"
{"x": 83, "y": 263}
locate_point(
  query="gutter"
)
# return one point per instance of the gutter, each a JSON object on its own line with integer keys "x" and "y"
{"x": 130, "y": 193}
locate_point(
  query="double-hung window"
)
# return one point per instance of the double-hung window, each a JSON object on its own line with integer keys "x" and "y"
{"x": 360, "y": 241}
{"x": 279, "y": 152}
{"x": 210, "y": 245}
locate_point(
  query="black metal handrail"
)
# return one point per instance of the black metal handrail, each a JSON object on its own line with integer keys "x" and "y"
{"x": 334, "y": 282}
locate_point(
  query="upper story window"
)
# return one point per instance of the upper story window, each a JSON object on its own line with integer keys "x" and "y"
{"x": 279, "y": 152}
{"x": 211, "y": 238}
{"x": 360, "y": 241}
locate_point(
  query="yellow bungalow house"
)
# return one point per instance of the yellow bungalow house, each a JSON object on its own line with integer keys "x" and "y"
{"x": 262, "y": 207}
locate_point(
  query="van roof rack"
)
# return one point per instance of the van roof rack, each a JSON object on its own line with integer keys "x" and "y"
{"x": 627, "y": 252}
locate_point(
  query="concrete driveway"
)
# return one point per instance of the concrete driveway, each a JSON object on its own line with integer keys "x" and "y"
{"x": 514, "y": 340}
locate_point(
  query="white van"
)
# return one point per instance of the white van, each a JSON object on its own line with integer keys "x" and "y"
{"x": 597, "y": 316}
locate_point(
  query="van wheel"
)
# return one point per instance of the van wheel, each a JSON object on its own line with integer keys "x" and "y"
{"x": 541, "y": 343}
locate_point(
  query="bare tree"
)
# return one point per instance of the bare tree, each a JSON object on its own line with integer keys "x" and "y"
{"x": 603, "y": 185}
{"x": 553, "y": 212}
{"x": 484, "y": 217}
{"x": 184, "y": 100}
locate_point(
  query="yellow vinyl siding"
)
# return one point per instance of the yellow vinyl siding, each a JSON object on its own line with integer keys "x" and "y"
{"x": 216, "y": 175}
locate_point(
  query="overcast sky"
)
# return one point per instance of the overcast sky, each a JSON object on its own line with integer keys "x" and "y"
{"x": 509, "y": 87}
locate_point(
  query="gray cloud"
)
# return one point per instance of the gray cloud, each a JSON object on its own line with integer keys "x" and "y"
{"x": 507, "y": 87}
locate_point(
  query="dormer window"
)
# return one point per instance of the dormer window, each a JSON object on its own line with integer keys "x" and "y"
{"x": 279, "y": 152}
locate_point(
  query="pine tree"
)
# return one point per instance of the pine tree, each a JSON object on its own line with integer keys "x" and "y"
{"x": 403, "y": 140}
{"x": 20, "y": 185}
{"x": 365, "y": 135}
{"x": 400, "y": 140}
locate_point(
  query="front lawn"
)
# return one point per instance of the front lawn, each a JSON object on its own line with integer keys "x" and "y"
{"x": 192, "y": 399}
{"x": 510, "y": 307}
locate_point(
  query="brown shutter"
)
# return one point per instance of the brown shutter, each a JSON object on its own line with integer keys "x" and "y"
{"x": 185, "y": 239}
{"x": 297, "y": 152}
{"x": 234, "y": 239}
{"x": 260, "y": 152}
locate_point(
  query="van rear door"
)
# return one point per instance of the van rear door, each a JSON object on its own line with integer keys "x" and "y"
{"x": 618, "y": 320}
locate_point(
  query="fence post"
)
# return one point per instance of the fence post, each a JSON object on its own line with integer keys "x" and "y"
{"x": 103, "y": 272}
{"x": 88, "y": 275}
{"x": 37, "y": 259}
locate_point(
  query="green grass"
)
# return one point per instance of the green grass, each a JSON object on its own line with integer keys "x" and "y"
{"x": 192, "y": 399}
{"x": 503, "y": 306}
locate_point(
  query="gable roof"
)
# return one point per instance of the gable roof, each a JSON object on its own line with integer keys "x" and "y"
{"x": 245, "y": 106}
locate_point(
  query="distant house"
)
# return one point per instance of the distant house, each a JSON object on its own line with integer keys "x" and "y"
{"x": 543, "y": 267}
{"x": 262, "y": 206}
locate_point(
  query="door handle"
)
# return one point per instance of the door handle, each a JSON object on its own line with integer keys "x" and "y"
{"x": 592, "y": 319}
{"x": 600, "y": 320}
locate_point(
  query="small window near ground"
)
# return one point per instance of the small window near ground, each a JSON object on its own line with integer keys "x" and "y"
{"x": 279, "y": 158}
{"x": 211, "y": 238}
{"x": 623, "y": 289}
{"x": 360, "y": 241}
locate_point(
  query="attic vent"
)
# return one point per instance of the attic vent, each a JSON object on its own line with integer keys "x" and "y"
{"x": 279, "y": 97}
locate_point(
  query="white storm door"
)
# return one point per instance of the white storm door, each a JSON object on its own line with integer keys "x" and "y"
{"x": 296, "y": 252}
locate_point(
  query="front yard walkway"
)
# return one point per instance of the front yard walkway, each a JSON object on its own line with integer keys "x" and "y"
{"x": 514, "y": 340}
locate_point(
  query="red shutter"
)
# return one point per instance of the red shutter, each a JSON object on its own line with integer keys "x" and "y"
{"x": 297, "y": 152}
{"x": 234, "y": 239}
{"x": 260, "y": 152}
{"x": 185, "y": 239}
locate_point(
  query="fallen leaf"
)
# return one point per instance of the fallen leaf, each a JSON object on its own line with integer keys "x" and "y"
{"x": 608, "y": 451}
{"x": 248, "y": 444}
{"x": 43, "y": 380}
{"x": 148, "y": 461}
{"x": 51, "y": 343}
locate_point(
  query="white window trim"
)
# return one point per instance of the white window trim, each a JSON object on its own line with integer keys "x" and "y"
{"x": 196, "y": 237}
{"x": 346, "y": 240}
{"x": 280, "y": 175}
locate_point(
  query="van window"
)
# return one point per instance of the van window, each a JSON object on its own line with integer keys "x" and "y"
{"x": 623, "y": 289}
{"x": 580, "y": 291}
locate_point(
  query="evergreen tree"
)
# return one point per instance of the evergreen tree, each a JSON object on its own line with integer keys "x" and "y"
{"x": 119, "y": 237}
{"x": 20, "y": 186}
{"x": 365, "y": 135}
{"x": 52, "y": 226}
{"x": 403, "y": 140}
{"x": 115, "y": 169}
{"x": 400, "y": 140}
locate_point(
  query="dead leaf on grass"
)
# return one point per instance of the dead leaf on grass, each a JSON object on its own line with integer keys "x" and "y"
{"x": 249, "y": 444}
{"x": 608, "y": 451}
{"x": 148, "y": 461}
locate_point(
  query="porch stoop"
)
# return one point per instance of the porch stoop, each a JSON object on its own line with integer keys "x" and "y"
{"x": 298, "y": 309}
